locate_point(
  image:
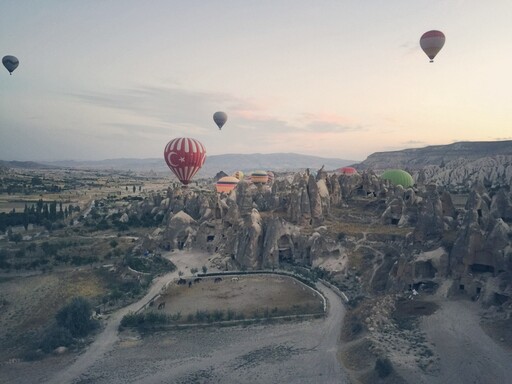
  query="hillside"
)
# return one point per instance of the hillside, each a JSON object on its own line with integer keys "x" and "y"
{"x": 215, "y": 163}
{"x": 417, "y": 158}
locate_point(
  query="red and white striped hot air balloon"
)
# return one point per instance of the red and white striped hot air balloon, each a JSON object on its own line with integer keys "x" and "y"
{"x": 431, "y": 42}
{"x": 184, "y": 156}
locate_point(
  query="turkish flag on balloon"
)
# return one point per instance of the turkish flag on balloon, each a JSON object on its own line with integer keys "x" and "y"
{"x": 184, "y": 156}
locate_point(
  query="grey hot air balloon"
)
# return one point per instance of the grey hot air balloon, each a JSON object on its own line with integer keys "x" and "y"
{"x": 220, "y": 118}
{"x": 10, "y": 62}
{"x": 431, "y": 42}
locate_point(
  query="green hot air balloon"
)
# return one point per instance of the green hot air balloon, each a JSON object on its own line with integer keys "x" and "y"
{"x": 398, "y": 177}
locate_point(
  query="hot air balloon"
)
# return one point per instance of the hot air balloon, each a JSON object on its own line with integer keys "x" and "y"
{"x": 398, "y": 177}
{"x": 259, "y": 177}
{"x": 239, "y": 175}
{"x": 226, "y": 184}
{"x": 184, "y": 156}
{"x": 347, "y": 170}
{"x": 11, "y": 63}
{"x": 220, "y": 118}
{"x": 431, "y": 42}
{"x": 271, "y": 176}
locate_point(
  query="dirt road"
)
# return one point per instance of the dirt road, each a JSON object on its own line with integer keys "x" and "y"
{"x": 109, "y": 336}
{"x": 466, "y": 353}
{"x": 295, "y": 352}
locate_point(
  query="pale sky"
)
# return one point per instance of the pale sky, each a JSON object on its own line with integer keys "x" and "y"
{"x": 332, "y": 78}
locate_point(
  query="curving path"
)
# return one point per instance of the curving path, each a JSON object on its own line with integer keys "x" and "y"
{"x": 295, "y": 352}
{"x": 106, "y": 340}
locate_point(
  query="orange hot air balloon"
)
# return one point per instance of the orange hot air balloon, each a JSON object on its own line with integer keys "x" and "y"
{"x": 431, "y": 42}
{"x": 226, "y": 184}
{"x": 184, "y": 156}
{"x": 259, "y": 177}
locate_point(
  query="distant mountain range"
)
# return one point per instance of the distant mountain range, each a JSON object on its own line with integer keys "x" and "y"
{"x": 278, "y": 162}
{"x": 411, "y": 159}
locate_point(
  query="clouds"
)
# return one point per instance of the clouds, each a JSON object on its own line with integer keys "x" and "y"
{"x": 326, "y": 78}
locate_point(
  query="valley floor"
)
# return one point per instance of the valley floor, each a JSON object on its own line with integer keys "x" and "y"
{"x": 294, "y": 352}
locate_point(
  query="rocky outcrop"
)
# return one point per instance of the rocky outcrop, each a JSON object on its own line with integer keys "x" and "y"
{"x": 439, "y": 155}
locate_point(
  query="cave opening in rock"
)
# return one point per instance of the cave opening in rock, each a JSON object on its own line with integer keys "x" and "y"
{"x": 285, "y": 252}
{"x": 481, "y": 268}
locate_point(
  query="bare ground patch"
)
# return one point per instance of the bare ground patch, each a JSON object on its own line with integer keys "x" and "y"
{"x": 500, "y": 331}
{"x": 250, "y": 296}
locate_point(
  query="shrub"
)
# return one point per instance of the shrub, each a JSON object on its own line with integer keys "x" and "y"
{"x": 383, "y": 367}
{"x": 76, "y": 317}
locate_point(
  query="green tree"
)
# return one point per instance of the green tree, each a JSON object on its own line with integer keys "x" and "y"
{"x": 76, "y": 317}
{"x": 204, "y": 268}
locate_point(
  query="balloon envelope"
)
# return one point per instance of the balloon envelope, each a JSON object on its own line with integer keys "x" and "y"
{"x": 398, "y": 177}
{"x": 220, "y": 118}
{"x": 259, "y": 177}
{"x": 239, "y": 175}
{"x": 184, "y": 156}
{"x": 10, "y": 63}
{"x": 347, "y": 170}
{"x": 226, "y": 184}
{"x": 431, "y": 42}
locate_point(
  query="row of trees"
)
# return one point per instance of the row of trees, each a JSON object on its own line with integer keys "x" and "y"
{"x": 41, "y": 213}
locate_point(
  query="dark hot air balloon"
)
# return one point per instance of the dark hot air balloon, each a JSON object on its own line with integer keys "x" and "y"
{"x": 431, "y": 42}
{"x": 184, "y": 156}
{"x": 11, "y": 63}
{"x": 220, "y": 118}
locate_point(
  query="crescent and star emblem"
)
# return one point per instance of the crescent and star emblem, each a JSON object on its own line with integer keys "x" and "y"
{"x": 181, "y": 159}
